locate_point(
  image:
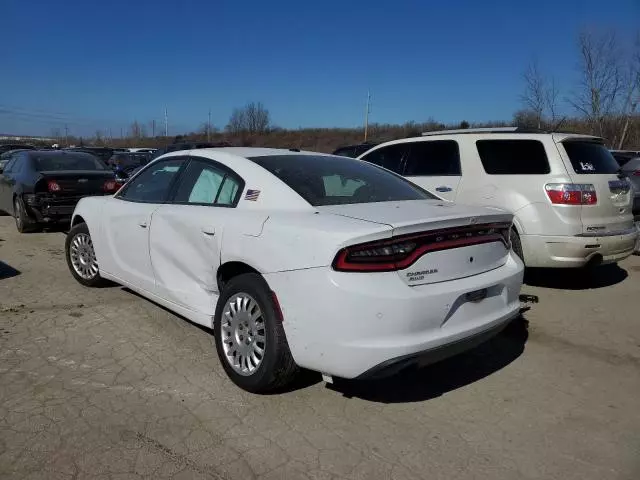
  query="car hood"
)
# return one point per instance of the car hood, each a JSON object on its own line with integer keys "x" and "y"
{"x": 416, "y": 215}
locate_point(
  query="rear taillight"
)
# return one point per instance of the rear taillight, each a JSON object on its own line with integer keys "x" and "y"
{"x": 53, "y": 186}
{"x": 571, "y": 194}
{"x": 400, "y": 252}
{"x": 636, "y": 173}
{"x": 110, "y": 186}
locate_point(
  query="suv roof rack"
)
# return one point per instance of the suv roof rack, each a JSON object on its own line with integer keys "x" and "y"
{"x": 485, "y": 130}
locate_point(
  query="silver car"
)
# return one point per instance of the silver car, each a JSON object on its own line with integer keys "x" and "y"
{"x": 629, "y": 162}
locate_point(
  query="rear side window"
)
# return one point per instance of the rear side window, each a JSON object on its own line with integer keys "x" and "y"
{"x": 205, "y": 184}
{"x": 329, "y": 180}
{"x": 388, "y": 157}
{"x": 513, "y": 157}
{"x": 590, "y": 157}
{"x": 433, "y": 158}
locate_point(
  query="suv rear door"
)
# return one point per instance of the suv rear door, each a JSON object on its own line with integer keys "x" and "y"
{"x": 590, "y": 163}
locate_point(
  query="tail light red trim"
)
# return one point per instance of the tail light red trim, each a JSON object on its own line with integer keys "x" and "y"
{"x": 636, "y": 173}
{"x": 110, "y": 186}
{"x": 571, "y": 194}
{"x": 400, "y": 252}
{"x": 53, "y": 186}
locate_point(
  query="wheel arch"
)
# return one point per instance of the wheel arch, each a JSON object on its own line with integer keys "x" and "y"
{"x": 231, "y": 269}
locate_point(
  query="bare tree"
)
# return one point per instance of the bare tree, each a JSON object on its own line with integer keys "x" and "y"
{"x": 137, "y": 130}
{"x": 535, "y": 92}
{"x": 551, "y": 100}
{"x": 98, "y": 136}
{"x": 632, "y": 97}
{"x": 253, "y": 118}
{"x": 600, "y": 83}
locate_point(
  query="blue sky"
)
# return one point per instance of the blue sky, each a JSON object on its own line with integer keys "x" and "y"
{"x": 101, "y": 65}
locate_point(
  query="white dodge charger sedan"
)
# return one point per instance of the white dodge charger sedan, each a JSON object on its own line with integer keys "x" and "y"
{"x": 299, "y": 259}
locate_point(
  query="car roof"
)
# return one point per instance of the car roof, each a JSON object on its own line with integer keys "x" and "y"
{"x": 57, "y": 153}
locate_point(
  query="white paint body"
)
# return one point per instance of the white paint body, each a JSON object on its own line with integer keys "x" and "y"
{"x": 339, "y": 323}
{"x": 551, "y": 235}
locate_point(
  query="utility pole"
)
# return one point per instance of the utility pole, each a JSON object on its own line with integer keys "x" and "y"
{"x": 153, "y": 128}
{"x": 209, "y": 127}
{"x": 66, "y": 135}
{"x": 166, "y": 123}
{"x": 121, "y": 132}
{"x": 366, "y": 116}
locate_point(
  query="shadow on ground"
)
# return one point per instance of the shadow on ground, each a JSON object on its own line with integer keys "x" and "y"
{"x": 7, "y": 271}
{"x": 575, "y": 278}
{"x": 417, "y": 385}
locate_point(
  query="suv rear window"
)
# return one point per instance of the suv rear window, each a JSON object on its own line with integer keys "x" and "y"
{"x": 513, "y": 157}
{"x": 590, "y": 157}
{"x": 327, "y": 180}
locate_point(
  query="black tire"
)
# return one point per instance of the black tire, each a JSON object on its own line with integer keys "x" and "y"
{"x": 277, "y": 368}
{"x": 97, "y": 280}
{"x": 516, "y": 244}
{"x": 23, "y": 223}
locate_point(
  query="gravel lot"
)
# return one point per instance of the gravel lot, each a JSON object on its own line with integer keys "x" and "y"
{"x": 104, "y": 384}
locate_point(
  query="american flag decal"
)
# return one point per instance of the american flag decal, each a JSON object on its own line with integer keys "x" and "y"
{"x": 252, "y": 195}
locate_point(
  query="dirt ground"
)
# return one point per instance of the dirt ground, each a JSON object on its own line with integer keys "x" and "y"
{"x": 104, "y": 384}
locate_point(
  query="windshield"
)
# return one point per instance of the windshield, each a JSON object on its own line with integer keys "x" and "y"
{"x": 590, "y": 158}
{"x": 324, "y": 180}
{"x": 62, "y": 161}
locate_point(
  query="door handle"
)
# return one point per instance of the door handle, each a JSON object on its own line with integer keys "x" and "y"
{"x": 443, "y": 188}
{"x": 143, "y": 224}
{"x": 210, "y": 231}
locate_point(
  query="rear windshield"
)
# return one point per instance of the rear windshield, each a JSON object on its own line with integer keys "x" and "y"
{"x": 590, "y": 157}
{"x": 513, "y": 157}
{"x": 63, "y": 161}
{"x": 325, "y": 180}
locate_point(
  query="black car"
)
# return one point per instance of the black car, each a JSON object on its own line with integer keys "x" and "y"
{"x": 127, "y": 161}
{"x": 103, "y": 153}
{"x": 5, "y": 147}
{"x": 354, "y": 151}
{"x": 39, "y": 187}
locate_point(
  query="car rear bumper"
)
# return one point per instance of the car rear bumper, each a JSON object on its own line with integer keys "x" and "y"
{"x": 577, "y": 251}
{"x": 49, "y": 210}
{"x": 354, "y": 324}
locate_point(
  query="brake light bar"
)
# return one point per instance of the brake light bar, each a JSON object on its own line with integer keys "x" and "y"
{"x": 400, "y": 252}
{"x": 53, "y": 186}
{"x": 571, "y": 193}
{"x": 110, "y": 186}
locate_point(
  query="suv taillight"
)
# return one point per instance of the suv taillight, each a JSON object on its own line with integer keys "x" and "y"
{"x": 400, "y": 252}
{"x": 53, "y": 186}
{"x": 571, "y": 193}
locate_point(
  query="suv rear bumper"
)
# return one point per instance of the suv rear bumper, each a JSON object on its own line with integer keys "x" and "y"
{"x": 574, "y": 252}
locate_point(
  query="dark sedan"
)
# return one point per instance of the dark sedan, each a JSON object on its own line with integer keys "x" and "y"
{"x": 39, "y": 187}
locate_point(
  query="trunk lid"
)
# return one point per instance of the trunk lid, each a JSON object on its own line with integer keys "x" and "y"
{"x": 76, "y": 182}
{"x": 589, "y": 162}
{"x": 458, "y": 241}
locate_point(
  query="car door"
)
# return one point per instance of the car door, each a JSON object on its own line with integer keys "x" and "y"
{"x": 127, "y": 223}
{"x": 186, "y": 234}
{"x": 7, "y": 181}
{"x": 435, "y": 166}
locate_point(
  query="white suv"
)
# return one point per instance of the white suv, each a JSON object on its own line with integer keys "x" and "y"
{"x": 571, "y": 206}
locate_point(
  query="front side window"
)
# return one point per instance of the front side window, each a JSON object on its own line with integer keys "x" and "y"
{"x": 328, "y": 180}
{"x": 433, "y": 158}
{"x": 204, "y": 184}
{"x": 513, "y": 157}
{"x": 153, "y": 184}
{"x": 388, "y": 157}
{"x": 590, "y": 157}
